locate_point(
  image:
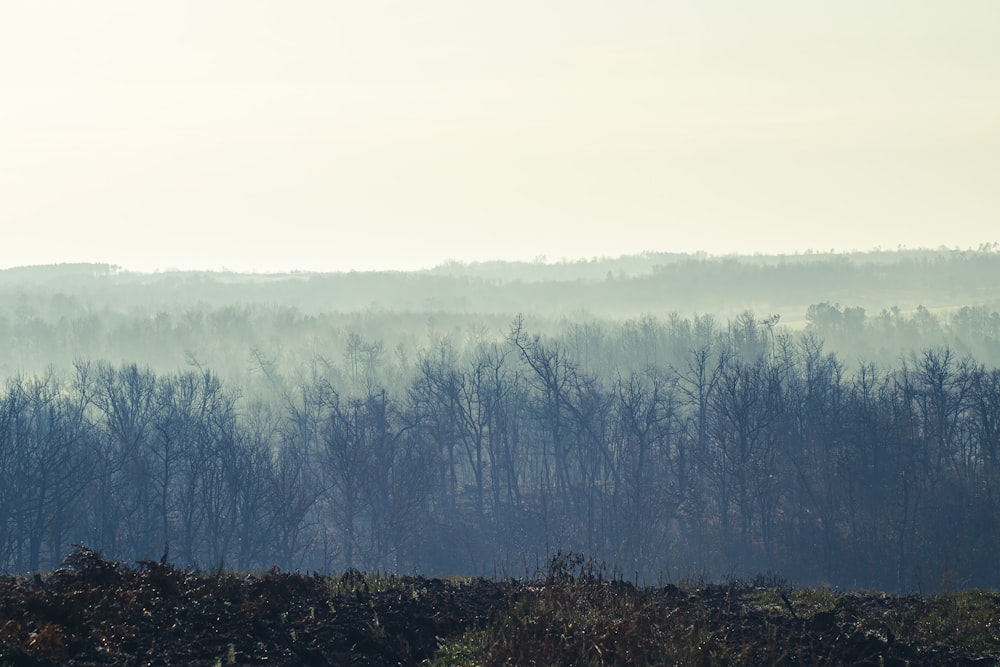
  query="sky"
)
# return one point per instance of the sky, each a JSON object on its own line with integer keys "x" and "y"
{"x": 322, "y": 135}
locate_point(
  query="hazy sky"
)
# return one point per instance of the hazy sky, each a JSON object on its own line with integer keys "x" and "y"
{"x": 334, "y": 135}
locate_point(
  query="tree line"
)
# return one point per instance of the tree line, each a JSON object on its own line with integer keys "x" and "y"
{"x": 753, "y": 450}
{"x": 614, "y": 288}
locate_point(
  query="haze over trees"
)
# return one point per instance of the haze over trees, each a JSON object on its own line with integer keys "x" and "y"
{"x": 827, "y": 417}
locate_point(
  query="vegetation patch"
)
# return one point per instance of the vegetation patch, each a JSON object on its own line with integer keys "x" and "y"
{"x": 95, "y": 612}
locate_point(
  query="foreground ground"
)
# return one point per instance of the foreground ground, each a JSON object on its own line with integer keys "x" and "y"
{"x": 94, "y": 612}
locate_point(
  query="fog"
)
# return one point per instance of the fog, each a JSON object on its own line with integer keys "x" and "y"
{"x": 698, "y": 290}
{"x": 832, "y": 418}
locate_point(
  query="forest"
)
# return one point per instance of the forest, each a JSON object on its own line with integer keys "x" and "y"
{"x": 832, "y": 418}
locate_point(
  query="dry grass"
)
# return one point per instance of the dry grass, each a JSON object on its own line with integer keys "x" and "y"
{"x": 574, "y": 617}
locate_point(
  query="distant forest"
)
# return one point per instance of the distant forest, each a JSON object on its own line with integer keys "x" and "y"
{"x": 829, "y": 418}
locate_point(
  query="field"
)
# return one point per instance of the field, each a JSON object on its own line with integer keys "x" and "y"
{"x": 94, "y": 612}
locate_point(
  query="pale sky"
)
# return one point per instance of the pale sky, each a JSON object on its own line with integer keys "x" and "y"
{"x": 326, "y": 135}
